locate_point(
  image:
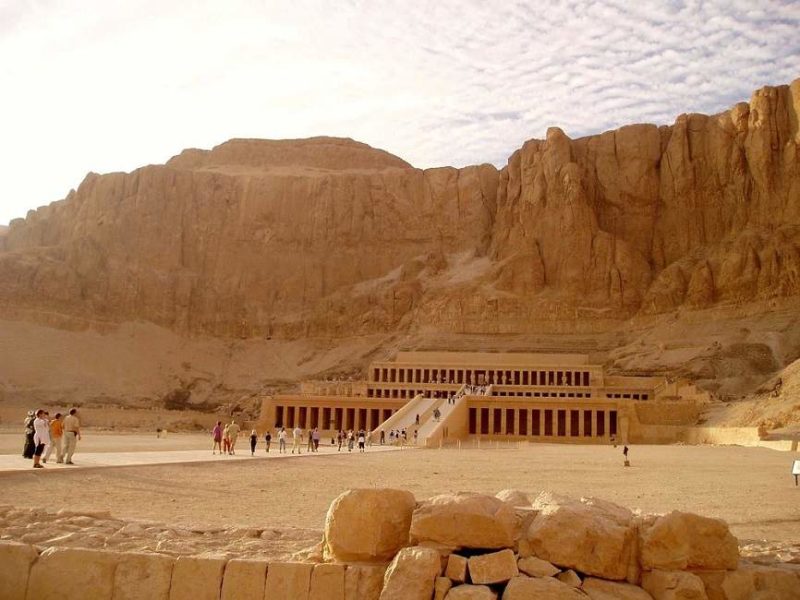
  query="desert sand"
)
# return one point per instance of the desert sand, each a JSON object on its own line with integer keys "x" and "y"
{"x": 751, "y": 488}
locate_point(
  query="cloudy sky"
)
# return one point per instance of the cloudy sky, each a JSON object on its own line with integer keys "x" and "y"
{"x": 106, "y": 85}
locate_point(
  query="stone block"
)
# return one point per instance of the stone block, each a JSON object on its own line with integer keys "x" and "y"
{"x": 363, "y": 582}
{"x": 441, "y": 586}
{"x": 776, "y": 581}
{"x": 678, "y": 541}
{"x": 411, "y": 575}
{"x": 368, "y": 525}
{"x": 456, "y": 568}
{"x": 143, "y": 576}
{"x": 540, "y": 588}
{"x": 244, "y": 580}
{"x": 196, "y": 578}
{"x": 673, "y": 585}
{"x": 515, "y": 498}
{"x": 569, "y": 577}
{"x": 288, "y": 580}
{"x": 464, "y": 521}
{"x": 327, "y": 582}
{"x": 600, "y": 589}
{"x": 471, "y": 592}
{"x": 536, "y": 567}
{"x": 72, "y": 574}
{"x": 497, "y": 567}
{"x": 16, "y": 560}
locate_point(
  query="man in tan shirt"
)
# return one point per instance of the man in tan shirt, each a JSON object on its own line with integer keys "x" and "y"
{"x": 72, "y": 433}
{"x": 233, "y": 432}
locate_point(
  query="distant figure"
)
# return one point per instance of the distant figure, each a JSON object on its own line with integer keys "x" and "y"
{"x": 41, "y": 437}
{"x": 315, "y": 435}
{"x": 28, "y": 446}
{"x": 340, "y": 438}
{"x": 56, "y": 439}
{"x": 310, "y": 447}
{"x": 297, "y": 437}
{"x": 416, "y": 432}
{"x": 226, "y": 439}
{"x": 361, "y": 440}
{"x": 383, "y": 437}
{"x": 614, "y": 440}
{"x": 72, "y": 433}
{"x": 436, "y": 414}
{"x": 233, "y": 434}
{"x": 216, "y": 435}
{"x": 267, "y": 439}
{"x": 253, "y": 442}
{"x": 282, "y": 440}
{"x": 351, "y": 440}
{"x": 417, "y": 420}
{"x": 625, "y": 454}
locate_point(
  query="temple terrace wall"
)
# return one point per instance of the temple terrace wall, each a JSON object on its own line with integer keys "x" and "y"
{"x": 382, "y": 544}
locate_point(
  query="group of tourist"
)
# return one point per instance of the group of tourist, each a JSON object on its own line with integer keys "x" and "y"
{"x": 224, "y": 439}
{"x": 397, "y": 436}
{"x": 43, "y": 434}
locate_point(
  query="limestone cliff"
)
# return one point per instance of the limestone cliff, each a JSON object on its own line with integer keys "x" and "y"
{"x": 331, "y": 237}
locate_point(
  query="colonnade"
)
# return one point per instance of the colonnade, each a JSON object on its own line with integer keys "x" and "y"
{"x": 330, "y": 417}
{"x": 481, "y": 376}
{"x": 543, "y": 422}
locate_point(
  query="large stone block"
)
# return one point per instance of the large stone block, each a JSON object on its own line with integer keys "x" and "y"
{"x": 471, "y": 592}
{"x": 363, "y": 582}
{"x": 441, "y": 587}
{"x": 728, "y": 585}
{"x": 497, "y": 567}
{"x": 143, "y": 576}
{"x": 678, "y": 541}
{"x": 244, "y": 580}
{"x": 515, "y": 498}
{"x": 288, "y": 580}
{"x": 591, "y": 536}
{"x": 368, "y": 525}
{"x": 327, "y": 582}
{"x": 15, "y": 565}
{"x": 456, "y": 568}
{"x": 464, "y": 520}
{"x": 600, "y": 589}
{"x": 412, "y": 575}
{"x": 195, "y": 578}
{"x": 72, "y": 574}
{"x": 540, "y": 588}
{"x": 536, "y": 567}
{"x": 674, "y": 585}
{"x": 779, "y": 581}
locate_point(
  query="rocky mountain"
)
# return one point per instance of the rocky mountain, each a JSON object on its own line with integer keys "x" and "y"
{"x": 330, "y": 237}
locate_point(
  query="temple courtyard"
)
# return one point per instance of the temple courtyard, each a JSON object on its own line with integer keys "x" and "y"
{"x": 751, "y": 488}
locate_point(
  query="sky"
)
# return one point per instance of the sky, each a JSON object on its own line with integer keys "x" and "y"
{"x": 106, "y": 85}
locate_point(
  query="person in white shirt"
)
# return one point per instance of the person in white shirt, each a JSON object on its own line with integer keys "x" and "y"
{"x": 282, "y": 440}
{"x": 297, "y": 437}
{"x": 41, "y": 437}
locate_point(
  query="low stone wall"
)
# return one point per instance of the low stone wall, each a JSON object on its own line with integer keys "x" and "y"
{"x": 381, "y": 544}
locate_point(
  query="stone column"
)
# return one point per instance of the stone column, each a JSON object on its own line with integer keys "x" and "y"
{"x": 581, "y": 423}
{"x": 607, "y": 431}
{"x": 567, "y": 422}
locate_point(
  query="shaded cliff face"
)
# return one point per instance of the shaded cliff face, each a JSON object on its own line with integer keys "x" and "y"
{"x": 331, "y": 237}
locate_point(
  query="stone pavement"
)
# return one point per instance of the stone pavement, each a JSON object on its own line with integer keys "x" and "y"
{"x": 15, "y": 462}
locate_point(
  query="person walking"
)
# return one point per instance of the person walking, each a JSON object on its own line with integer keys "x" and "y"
{"x": 233, "y": 434}
{"x": 361, "y": 440}
{"x": 41, "y": 437}
{"x": 28, "y": 445}
{"x": 625, "y": 455}
{"x": 383, "y": 437}
{"x": 72, "y": 433}
{"x": 297, "y": 437}
{"x": 56, "y": 439}
{"x": 253, "y": 442}
{"x": 216, "y": 436}
{"x": 267, "y": 440}
{"x": 340, "y": 438}
{"x": 310, "y": 446}
{"x": 282, "y": 440}
{"x": 226, "y": 439}
{"x": 315, "y": 436}
{"x": 350, "y": 440}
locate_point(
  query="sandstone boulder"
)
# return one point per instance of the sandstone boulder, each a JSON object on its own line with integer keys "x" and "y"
{"x": 594, "y": 538}
{"x": 496, "y": 567}
{"x": 143, "y": 576}
{"x": 464, "y": 520}
{"x": 441, "y": 587}
{"x": 411, "y": 575}
{"x": 600, "y": 589}
{"x": 363, "y": 582}
{"x": 678, "y": 540}
{"x": 471, "y": 592}
{"x": 515, "y": 498}
{"x": 540, "y": 588}
{"x": 536, "y": 567}
{"x": 673, "y": 585}
{"x": 16, "y": 560}
{"x": 569, "y": 577}
{"x": 368, "y": 525}
{"x": 67, "y": 573}
{"x": 456, "y": 568}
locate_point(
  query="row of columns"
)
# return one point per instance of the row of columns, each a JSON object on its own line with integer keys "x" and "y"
{"x": 543, "y": 422}
{"x": 330, "y": 418}
{"x": 481, "y": 376}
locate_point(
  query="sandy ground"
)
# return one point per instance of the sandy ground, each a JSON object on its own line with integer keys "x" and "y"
{"x": 751, "y": 488}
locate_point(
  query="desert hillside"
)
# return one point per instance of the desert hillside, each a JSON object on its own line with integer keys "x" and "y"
{"x": 671, "y": 249}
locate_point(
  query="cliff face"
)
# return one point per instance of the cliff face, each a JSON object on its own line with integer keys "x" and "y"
{"x": 329, "y": 236}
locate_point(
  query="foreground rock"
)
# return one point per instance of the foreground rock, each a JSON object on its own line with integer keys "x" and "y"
{"x": 412, "y": 575}
{"x": 540, "y": 588}
{"x": 599, "y": 589}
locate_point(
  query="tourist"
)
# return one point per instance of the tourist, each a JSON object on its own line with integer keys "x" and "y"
{"x": 267, "y": 439}
{"x": 41, "y": 437}
{"x": 72, "y": 433}
{"x": 233, "y": 434}
{"x": 56, "y": 439}
{"x": 216, "y": 435}
{"x": 28, "y": 445}
{"x": 282, "y": 440}
{"x": 310, "y": 446}
{"x": 340, "y": 438}
{"x": 361, "y": 440}
{"x": 350, "y": 440}
{"x": 226, "y": 439}
{"x": 383, "y": 437}
{"x": 253, "y": 442}
{"x": 417, "y": 420}
{"x": 415, "y": 436}
{"x": 297, "y": 437}
{"x": 625, "y": 454}
{"x": 315, "y": 437}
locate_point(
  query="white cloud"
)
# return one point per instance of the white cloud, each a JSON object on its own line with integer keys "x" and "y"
{"x": 111, "y": 85}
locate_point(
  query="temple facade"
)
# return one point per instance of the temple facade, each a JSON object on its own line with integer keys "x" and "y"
{"x": 538, "y": 397}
